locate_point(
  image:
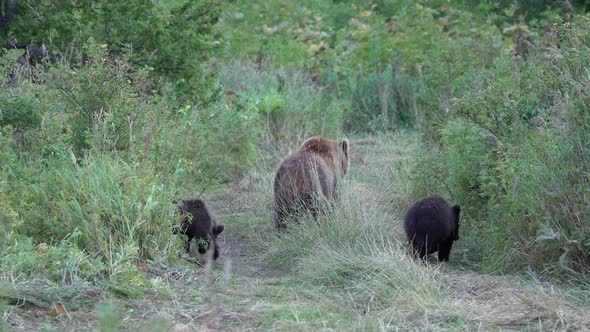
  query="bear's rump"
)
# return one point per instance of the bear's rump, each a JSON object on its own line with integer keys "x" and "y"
{"x": 299, "y": 179}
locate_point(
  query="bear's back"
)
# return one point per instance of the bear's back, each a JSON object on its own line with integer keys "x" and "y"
{"x": 297, "y": 174}
{"x": 431, "y": 216}
{"x": 201, "y": 223}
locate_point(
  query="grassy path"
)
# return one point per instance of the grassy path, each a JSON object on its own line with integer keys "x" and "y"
{"x": 265, "y": 283}
{"x": 251, "y": 293}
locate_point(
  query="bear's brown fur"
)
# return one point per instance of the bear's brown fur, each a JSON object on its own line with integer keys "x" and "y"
{"x": 318, "y": 161}
{"x": 199, "y": 224}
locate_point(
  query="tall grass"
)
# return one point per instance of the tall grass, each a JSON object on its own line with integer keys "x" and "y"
{"x": 92, "y": 160}
{"x": 356, "y": 258}
{"x": 288, "y": 103}
{"x": 357, "y": 254}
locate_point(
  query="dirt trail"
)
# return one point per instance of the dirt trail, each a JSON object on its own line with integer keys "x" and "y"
{"x": 505, "y": 303}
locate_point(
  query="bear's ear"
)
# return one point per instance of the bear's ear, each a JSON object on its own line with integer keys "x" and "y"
{"x": 218, "y": 229}
{"x": 456, "y": 210}
{"x": 344, "y": 144}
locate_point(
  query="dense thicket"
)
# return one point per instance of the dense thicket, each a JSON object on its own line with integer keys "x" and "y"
{"x": 102, "y": 129}
{"x": 514, "y": 147}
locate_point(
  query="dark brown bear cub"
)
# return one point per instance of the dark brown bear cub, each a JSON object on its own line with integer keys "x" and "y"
{"x": 197, "y": 223}
{"x": 431, "y": 225}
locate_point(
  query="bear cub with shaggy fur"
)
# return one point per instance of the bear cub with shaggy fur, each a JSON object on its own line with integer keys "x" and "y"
{"x": 199, "y": 224}
{"x": 311, "y": 170}
{"x": 431, "y": 225}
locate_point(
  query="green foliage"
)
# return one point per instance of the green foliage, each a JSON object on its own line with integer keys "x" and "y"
{"x": 103, "y": 100}
{"x": 288, "y": 104}
{"x": 63, "y": 263}
{"x": 206, "y": 144}
{"x": 20, "y": 113}
{"x": 513, "y": 153}
{"x": 389, "y": 60}
{"x": 129, "y": 113}
{"x": 173, "y": 38}
{"x": 103, "y": 161}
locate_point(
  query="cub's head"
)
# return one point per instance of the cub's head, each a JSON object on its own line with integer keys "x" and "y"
{"x": 197, "y": 223}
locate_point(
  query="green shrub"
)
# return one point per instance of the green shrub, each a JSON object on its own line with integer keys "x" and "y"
{"x": 122, "y": 211}
{"x": 19, "y": 112}
{"x": 174, "y": 38}
{"x": 104, "y": 160}
{"x": 512, "y": 152}
{"x": 105, "y": 103}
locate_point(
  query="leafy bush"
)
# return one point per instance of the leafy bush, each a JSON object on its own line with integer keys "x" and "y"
{"x": 104, "y": 160}
{"x": 207, "y": 144}
{"x": 18, "y": 112}
{"x": 174, "y": 38}
{"x": 105, "y": 103}
{"x": 512, "y": 153}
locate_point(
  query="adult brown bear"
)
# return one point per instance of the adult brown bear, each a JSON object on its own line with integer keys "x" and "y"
{"x": 197, "y": 223}
{"x": 431, "y": 225}
{"x": 307, "y": 179}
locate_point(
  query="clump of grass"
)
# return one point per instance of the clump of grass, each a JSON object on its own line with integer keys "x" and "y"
{"x": 357, "y": 255}
{"x": 109, "y": 316}
{"x": 355, "y": 258}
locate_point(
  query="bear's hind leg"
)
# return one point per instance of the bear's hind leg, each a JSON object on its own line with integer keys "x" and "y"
{"x": 419, "y": 250}
{"x": 215, "y": 251}
{"x": 279, "y": 217}
{"x": 444, "y": 251}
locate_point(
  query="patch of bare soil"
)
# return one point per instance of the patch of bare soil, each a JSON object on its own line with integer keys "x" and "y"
{"x": 245, "y": 216}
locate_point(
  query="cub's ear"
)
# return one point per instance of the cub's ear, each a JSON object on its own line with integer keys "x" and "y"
{"x": 218, "y": 229}
{"x": 456, "y": 209}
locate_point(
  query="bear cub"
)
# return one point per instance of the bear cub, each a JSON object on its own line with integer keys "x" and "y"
{"x": 431, "y": 225}
{"x": 199, "y": 224}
